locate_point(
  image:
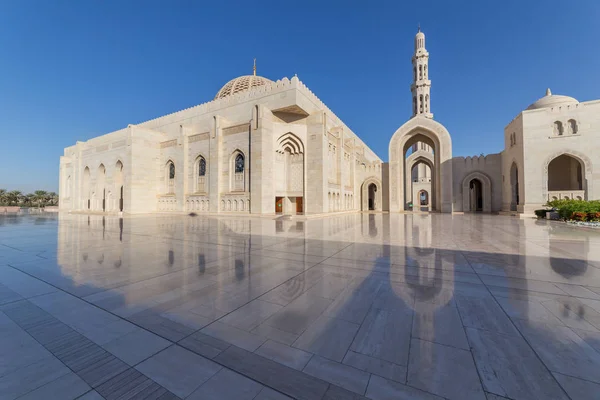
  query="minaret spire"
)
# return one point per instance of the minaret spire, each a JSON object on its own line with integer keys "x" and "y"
{"x": 254, "y": 68}
{"x": 421, "y": 85}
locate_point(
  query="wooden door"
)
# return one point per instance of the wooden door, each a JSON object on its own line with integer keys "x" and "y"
{"x": 278, "y": 205}
{"x": 299, "y": 205}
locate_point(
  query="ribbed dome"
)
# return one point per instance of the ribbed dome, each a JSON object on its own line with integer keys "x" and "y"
{"x": 552, "y": 100}
{"x": 242, "y": 83}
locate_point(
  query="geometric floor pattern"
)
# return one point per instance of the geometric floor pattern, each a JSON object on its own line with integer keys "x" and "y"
{"x": 353, "y": 306}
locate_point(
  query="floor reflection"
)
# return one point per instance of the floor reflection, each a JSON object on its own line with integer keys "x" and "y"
{"x": 401, "y": 304}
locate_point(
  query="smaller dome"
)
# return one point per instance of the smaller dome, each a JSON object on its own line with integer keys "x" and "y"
{"x": 242, "y": 83}
{"x": 552, "y": 100}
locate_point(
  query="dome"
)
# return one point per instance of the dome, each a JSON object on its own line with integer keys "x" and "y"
{"x": 552, "y": 100}
{"x": 242, "y": 83}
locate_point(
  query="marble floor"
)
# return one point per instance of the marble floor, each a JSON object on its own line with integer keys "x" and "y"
{"x": 352, "y": 306}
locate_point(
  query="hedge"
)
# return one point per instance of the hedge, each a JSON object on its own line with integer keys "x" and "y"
{"x": 579, "y": 210}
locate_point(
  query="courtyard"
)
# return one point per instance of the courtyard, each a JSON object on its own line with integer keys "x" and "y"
{"x": 351, "y": 306}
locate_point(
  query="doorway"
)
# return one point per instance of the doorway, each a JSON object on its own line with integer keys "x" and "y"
{"x": 278, "y": 205}
{"x": 372, "y": 189}
{"x": 475, "y": 195}
{"x": 104, "y": 200}
{"x": 299, "y": 205}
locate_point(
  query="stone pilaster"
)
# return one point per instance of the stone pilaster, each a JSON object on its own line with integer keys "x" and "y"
{"x": 215, "y": 165}
{"x": 316, "y": 173}
{"x": 262, "y": 192}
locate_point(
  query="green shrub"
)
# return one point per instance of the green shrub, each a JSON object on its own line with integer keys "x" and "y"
{"x": 566, "y": 208}
{"x": 541, "y": 213}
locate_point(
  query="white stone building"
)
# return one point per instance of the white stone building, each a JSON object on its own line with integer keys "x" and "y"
{"x": 258, "y": 147}
{"x": 264, "y": 147}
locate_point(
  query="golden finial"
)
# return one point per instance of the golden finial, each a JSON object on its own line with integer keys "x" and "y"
{"x": 254, "y": 69}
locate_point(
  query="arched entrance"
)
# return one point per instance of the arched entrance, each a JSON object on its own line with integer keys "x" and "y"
{"x": 371, "y": 195}
{"x": 477, "y": 192}
{"x": 423, "y": 198}
{"x": 118, "y": 184}
{"x": 101, "y": 188}
{"x": 514, "y": 186}
{"x": 420, "y": 164}
{"x": 372, "y": 190}
{"x": 432, "y": 133}
{"x": 475, "y": 195}
{"x": 86, "y": 189}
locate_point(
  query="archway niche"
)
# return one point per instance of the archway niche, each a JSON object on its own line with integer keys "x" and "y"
{"x": 477, "y": 192}
{"x": 420, "y": 177}
{"x": 423, "y": 198}
{"x": 371, "y": 195}
{"x": 118, "y": 184}
{"x": 100, "y": 187}
{"x": 565, "y": 173}
{"x": 86, "y": 195}
{"x": 432, "y": 133}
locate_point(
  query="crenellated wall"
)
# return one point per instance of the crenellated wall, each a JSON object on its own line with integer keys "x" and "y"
{"x": 483, "y": 168}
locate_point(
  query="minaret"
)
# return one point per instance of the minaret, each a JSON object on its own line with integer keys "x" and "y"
{"x": 421, "y": 84}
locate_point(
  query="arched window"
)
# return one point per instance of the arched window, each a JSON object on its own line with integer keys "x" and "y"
{"x": 238, "y": 177}
{"x": 421, "y": 103}
{"x": 420, "y": 72}
{"x": 426, "y": 103}
{"x": 239, "y": 163}
{"x": 572, "y": 126}
{"x": 415, "y": 72}
{"x": 202, "y": 167}
{"x": 201, "y": 177}
{"x": 170, "y": 177}
{"x": 558, "y": 128}
{"x": 415, "y": 105}
{"x": 425, "y": 71}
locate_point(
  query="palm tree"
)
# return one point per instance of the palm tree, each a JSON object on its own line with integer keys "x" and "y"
{"x": 2, "y": 196}
{"x": 40, "y": 197}
{"x": 14, "y": 197}
{"x": 53, "y": 198}
{"x": 28, "y": 199}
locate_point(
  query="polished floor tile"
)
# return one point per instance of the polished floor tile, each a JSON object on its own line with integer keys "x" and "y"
{"x": 352, "y": 306}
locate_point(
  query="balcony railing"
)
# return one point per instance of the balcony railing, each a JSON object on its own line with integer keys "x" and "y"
{"x": 566, "y": 195}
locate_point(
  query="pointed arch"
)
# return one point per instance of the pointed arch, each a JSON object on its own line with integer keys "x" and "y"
{"x": 200, "y": 174}
{"x": 421, "y": 129}
{"x": 170, "y": 175}
{"x": 237, "y": 171}
{"x": 585, "y": 173}
{"x": 486, "y": 190}
{"x": 371, "y": 191}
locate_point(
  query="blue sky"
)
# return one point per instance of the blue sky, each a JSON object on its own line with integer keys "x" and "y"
{"x": 72, "y": 70}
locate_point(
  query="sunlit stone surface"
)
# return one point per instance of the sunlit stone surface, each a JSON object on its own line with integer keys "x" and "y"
{"x": 384, "y": 306}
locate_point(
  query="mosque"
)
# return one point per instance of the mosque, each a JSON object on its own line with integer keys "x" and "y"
{"x": 272, "y": 147}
